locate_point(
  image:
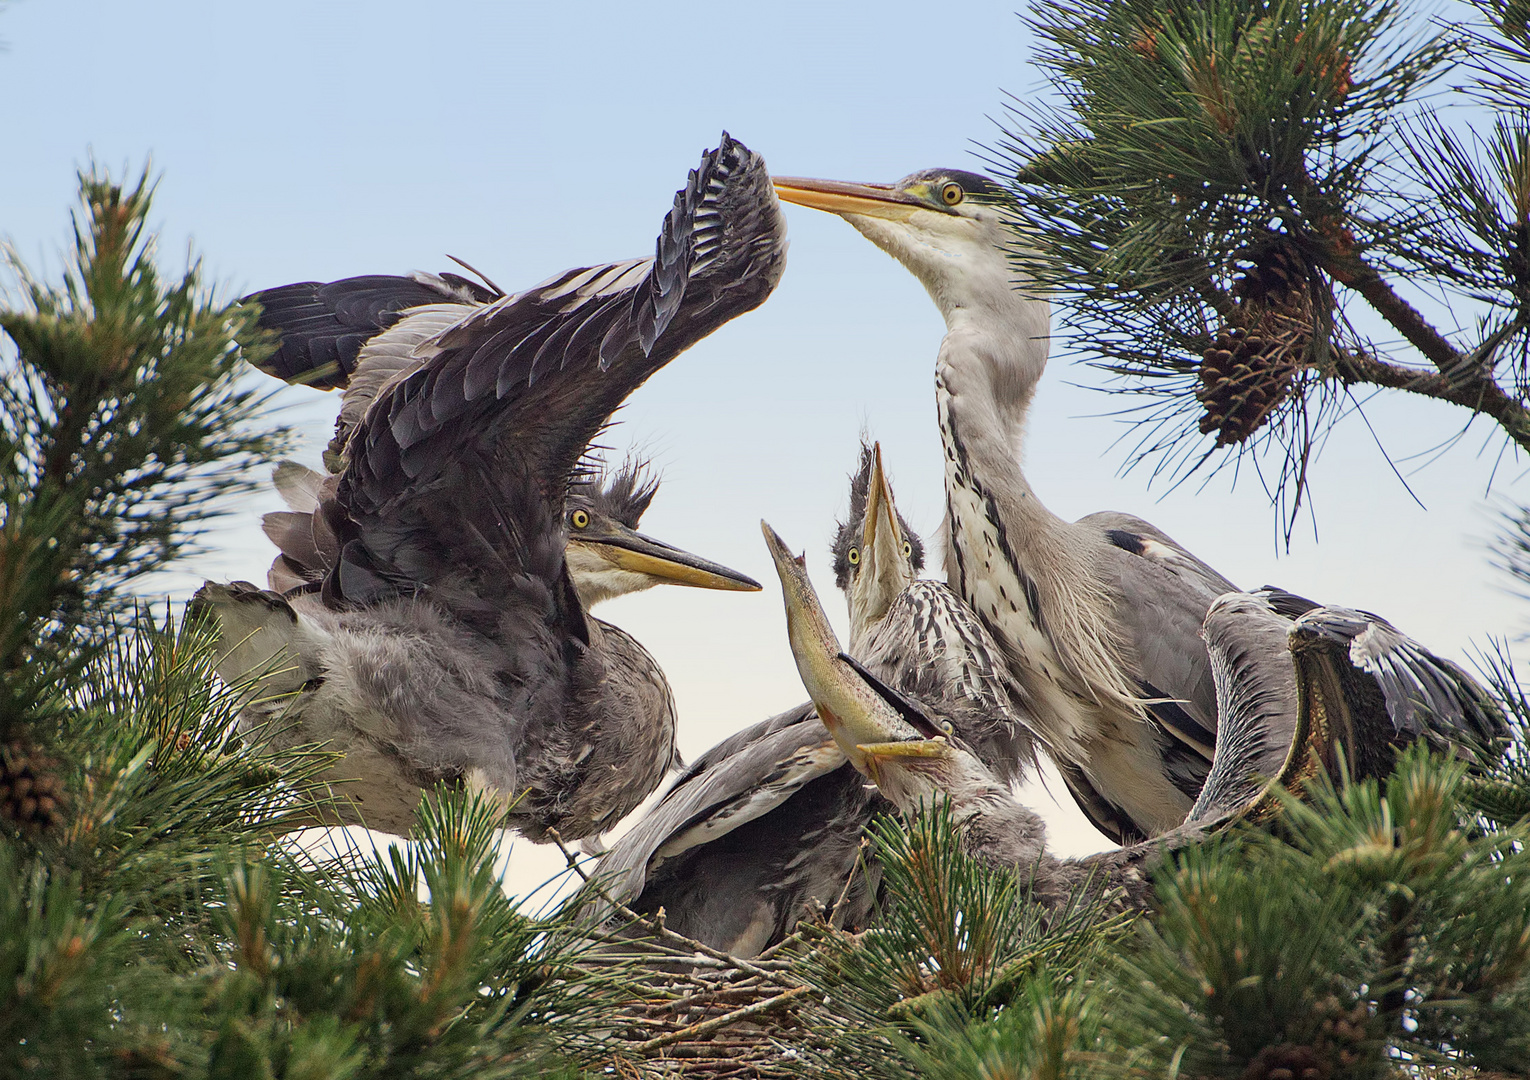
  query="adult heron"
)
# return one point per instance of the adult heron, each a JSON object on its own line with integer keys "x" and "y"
{"x": 447, "y": 640}
{"x": 1294, "y": 697}
{"x": 1099, "y": 618}
{"x": 766, "y": 826}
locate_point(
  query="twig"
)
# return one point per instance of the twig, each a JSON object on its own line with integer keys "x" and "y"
{"x": 706, "y": 1027}
{"x": 1456, "y": 383}
{"x": 707, "y": 997}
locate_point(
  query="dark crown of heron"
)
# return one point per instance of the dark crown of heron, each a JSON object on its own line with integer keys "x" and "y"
{"x": 624, "y": 494}
{"x": 969, "y": 183}
{"x": 847, "y": 538}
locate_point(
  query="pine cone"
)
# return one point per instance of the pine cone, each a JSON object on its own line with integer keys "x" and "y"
{"x": 1346, "y": 1032}
{"x": 31, "y": 794}
{"x": 1287, "y": 1062}
{"x": 1243, "y": 378}
{"x": 1277, "y": 277}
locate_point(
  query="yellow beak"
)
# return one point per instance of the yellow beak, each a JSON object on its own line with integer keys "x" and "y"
{"x": 631, "y": 550}
{"x": 849, "y": 707}
{"x": 842, "y": 197}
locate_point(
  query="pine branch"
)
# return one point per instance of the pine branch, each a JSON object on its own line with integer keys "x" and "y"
{"x": 1481, "y": 395}
{"x": 122, "y": 426}
{"x": 1214, "y": 167}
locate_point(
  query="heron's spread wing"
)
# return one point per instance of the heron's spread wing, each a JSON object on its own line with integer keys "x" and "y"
{"x": 1290, "y": 692}
{"x": 735, "y": 782}
{"x": 324, "y": 325}
{"x": 459, "y": 471}
{"x": 1424, "y": 695}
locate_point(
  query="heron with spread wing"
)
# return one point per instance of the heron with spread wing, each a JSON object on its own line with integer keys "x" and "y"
{"x": 435, "y": 626}
{"x": 766, "y": 826}
{"x": 1100, "y": 619}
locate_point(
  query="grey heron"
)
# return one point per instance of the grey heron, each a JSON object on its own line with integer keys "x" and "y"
{"x": 767, "y": 825}
{"x": 447, "y": 638}
{"x": 1100, "y": 618}
{"x": 1298, "y": 682}
{"x": 362, "y": 335}
{"x": 1294, "y": 694}
{"x": 908, "y": 741}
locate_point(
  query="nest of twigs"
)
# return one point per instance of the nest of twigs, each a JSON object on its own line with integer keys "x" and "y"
{"x": 723, "y": 1018}
{"x": 682, "y": 1008}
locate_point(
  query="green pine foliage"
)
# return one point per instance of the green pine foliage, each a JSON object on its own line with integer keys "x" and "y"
{"x": 153, "y": 923}
{"x": 122, "y": 423}
{"x": 1217, "y": 187}
{"x": 1502, "y": 794}
{"x": 1376, "y": 928}
{"x": 959, "y": 942}
{"x": 352, "y": 974}
{"x": 1373, "y": 930}
{"x": 162, "y": 929}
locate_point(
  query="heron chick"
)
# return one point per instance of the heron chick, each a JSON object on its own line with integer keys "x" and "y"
{"x": 767, "y": 825}
{"x": 1341, "y": 692}
{"x": 910, "y": 747}
{"x": 437, "y": 626}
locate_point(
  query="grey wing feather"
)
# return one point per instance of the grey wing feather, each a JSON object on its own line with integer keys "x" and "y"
{"x": 1165, "y": 594}
{"x": 386, "y": 360}
{"x": 1256, "y": 698}
{"x": 1426, "y": 695}
{"x": 519, "y": 388}
{"x": 323, "y": 325}
{"x": 306, "y": 544}
{"x": 759, "y": 770}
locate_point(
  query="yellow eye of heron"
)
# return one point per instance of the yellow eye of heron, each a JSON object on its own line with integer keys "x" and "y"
{"x": 854, "y": 555}
{"x": 945, "y": 725}
{"x": 908, "y": 549}
{"x": 580, "y": 519}
{"x": 952, "y": 193}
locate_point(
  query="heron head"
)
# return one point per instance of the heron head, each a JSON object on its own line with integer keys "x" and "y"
{"x": 867, "y": 718}
{"x": 876, "y": 554}
{"x": 608, "y": 557}
{"x": 947, "y": 226}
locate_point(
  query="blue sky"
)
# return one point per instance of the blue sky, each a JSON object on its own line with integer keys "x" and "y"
{"x": 318, "y": 140}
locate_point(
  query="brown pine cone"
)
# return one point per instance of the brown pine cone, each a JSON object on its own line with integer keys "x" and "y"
{"x": 1243, "y": 378}
{"x": 1287, "y": 1061}
{"x": 31, "y": 793}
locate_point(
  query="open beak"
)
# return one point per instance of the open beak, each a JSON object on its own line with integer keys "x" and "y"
{"x": 884, "y": 571}
{"x": 853, "y": 711}
{"x": 630, "y": 550}
{"x": 842, "y": 197}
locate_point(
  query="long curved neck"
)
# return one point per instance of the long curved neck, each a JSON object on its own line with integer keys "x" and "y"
{"x": 1026, "y": 572}
{"x": 990, "y": 361}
